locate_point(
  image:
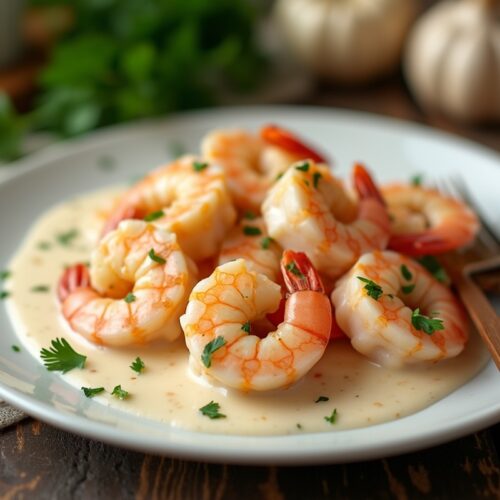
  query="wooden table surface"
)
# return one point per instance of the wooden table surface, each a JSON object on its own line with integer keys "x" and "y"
{"x": 39, "y": 461}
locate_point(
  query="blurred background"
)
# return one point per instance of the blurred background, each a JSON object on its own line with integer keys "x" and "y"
{"x": 68, "y": 67}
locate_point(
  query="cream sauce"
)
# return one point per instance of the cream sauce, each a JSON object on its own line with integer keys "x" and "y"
{"x": 362, "y": 392}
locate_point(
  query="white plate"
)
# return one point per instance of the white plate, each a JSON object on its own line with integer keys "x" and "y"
{"x": 394, "y": 149}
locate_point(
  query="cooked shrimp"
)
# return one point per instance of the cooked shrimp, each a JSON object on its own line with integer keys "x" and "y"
{"x": 249, "y": 240}
{"x": 424, "y": 221}
{"x": 219, "y": 317}
{"x": 252, "y": 162}
{"x": 137, "y": 288}
{"x": 396, "y": 313}
{"x": 300, "y": 213}
{"x": 188, "y": 197}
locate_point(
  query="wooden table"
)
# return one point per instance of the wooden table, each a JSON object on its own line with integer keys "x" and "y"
{"x": 38, "y": 461}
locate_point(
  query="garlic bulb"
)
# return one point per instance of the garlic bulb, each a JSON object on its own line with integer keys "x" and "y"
{"x": 452, "y": 61}
{"x": 349, "y": 41}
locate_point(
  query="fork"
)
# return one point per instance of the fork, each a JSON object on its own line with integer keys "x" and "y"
{"x": 482, "y": 257}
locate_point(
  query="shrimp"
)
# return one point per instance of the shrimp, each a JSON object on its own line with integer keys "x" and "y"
{"x": 253, "y": 162}
{"x": 137, "y": 287}
{"x": 397, "y": 313}
{"x": 188, "y": 197}
{"x": 220, "y": 314}
{"x": 249, "y": 240}
{"x": 423, "y": 221}
{"x": 300, "y": 213}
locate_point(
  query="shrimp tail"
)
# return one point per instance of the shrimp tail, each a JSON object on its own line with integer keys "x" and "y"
{"x": 284, "y": 139}
{"x": 424, "y": 243}
{"x": 299, "y": 273}
{"x": 124, "y": 212}
{"x": 365, "y": 185}
{"x": 76, "y": 276}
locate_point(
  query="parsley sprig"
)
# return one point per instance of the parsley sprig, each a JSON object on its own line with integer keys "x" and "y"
{"x": 211, "y": 410}
{"x": 210, "y": 348}
{"x": 303, "y": 167}
{"x": 138, "y": 365}
{"x": 129, "y": 298}
{"x": 373, "y": 289}
{"x": 333, "y": 417}
{"x": 119, "y": 392}
{"x": 61, "y": 357}
{"x": 434, "y": 267}
{"x": 154, "y": 215}
{"x": 90, "y": 392}
{"x": 292, "y": 267}
{"x": 156, "y": 258}
{"x": 252, "y": 231}
{"x": 265, "y": 243}
{"x": 425, "y": 323}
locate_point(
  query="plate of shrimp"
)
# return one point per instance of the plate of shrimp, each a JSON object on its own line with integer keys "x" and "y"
{"x": 247, "y": 285}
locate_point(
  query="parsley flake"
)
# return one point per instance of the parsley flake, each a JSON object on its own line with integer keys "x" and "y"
{"x": 138, "y": 365}
{"x": 322, "y": 398}
{"x": 43, "y": 245}
{"x": 249, "y": 215}
{"x": 199, "y": 166}
{"x": 90, "y": 392}
{"x": 265, "y": 243}
{"x": 156, "y": 258}
{"x": 333, "y": 417}
{"x": 4, "y": 294}
{"x": 15, "y": 348}
{"x": 303, "y": 167}
{"x": 210, "y": 348}
{"x": 129, "y": 298}
{"x": 372, "y": 289}
{"x": 211, "y": 410}
{"x": 299, "y": 426}
{"x": 292, "y": 267}
{"x": 316, "y": 178}
{"x": 434, "y": 267}
{"x": 416, "y": 180}
{"x": 406, "y": 273}
{"x": 67, "y": 237}
{"x": 279, "y": 176}
{"x": 40, "y": 288}
{"x": 407, "y": 289}
{"x": 246, "y": 327}
{"x": 425, "y": 323}
{"x": 251, "y": 231}
{"x": 120, "y": 393}
{"x": 61, "y": 357}
{"x": 4, "y": 275}
{"x": 154, "y": 215}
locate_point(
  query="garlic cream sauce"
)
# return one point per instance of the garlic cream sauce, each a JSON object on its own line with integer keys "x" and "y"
{"x": 169, "y": 391}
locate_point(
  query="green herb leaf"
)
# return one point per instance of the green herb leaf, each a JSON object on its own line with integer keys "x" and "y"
{"x": 40, "y": 288}
{"x": 406, "y": 272}
{"x": 246, "y": 327}
{"x": 129, "y": 298}
{"x": 15, "y": 348}
{"x": 407, "y": 289}
{"x": 322, "y": 398}
{"x": 299, "y": 426}
{"x": 4, "y": 294}
{"x": 119, "y": 392}
{"x": 372, "y": 289}
{"x": 154, "y": 215}
{"x": 265, "y": 243}
{"x": 279, "y": 176}
{"x": 4, "y": 275}
{"x": 416, "y": 180}
{"x": 424, "y": 323}
{"x": 249, "y": 215}
{"x": 434, "y": 267}
{"x": 251, "y": 231}
{"x": 138, "y": 365}
{"x": 333, "y": 417}
{"x": 316, "y": 178}
{"x": 292, "y": 267}
{"x": 90, "y": 392}
{"x": 303, "y": 167}
{"x": 67, "y": 237}
{"x": 210, "y": 348}
{"x": 211, "y": 410}
{"x": 43, "y": 245}
{"x": 156, "y": 258}
{"x": 199, "y": 166}
{"x": 61, "y": 357}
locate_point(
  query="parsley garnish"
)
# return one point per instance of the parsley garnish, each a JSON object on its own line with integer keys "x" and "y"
{"x": 15, "y": 348}
{"x": 210, "y": 348}
{"x": 43, "y": 245}
{"x": 154, "y": 215}
{"x": 408, "y": 288}
{"x": 251, "y": 231}
{"x": 156, "y": 258}
{"x": 198, "y": 166}
{"x": 406, "y": 273}
{"x": 249, "y": 215}
{"x": 292, "y": 267}
{"x": 434, "y": 267}
{"x": 372, "y": 289}
{"x": 67, "y": 237}
{"x": 299, "y": 426}
{"x": 279, "y": 176}
{"x": 333, "y": 417}
{"x": 246, "y": 327}
{"x": 316, "y": 177}
{"x": 120, "y": 393}
{"x": 425, "y": 323}
{"x": 40, "y": 288}
{"x": 4, "y": 275}
{"x": 322, "y": 398}
{"x": 266, "y": 242}
{"x": 90, "y": 392}
{"x": 130, "y": 297}
{"x": 61, "y": 357}
{"x": 4, "y": 294}
{"x": 303, "y": 167}
{"x": 416, "y": 180}
{"x": 138, "y": 365}
{"x": 211, "y": 410}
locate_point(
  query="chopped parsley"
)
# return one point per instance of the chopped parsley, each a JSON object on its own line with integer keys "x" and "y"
{"x": 119, "y": 392}
{"x": 303, "y": 167}
{"x": 322, "y": 398}
{"x": 43, "y": 245}
{"x": 372, "y": 289}
{"x": 211, "y": 410}
{"x": 4, "y": 294}
{"x": 40, "y": 288}
{"x": 138, "y": 365}
{"x": 154, "y": 215}
{"x": 299, "y": 426}
{"x": 61, "y": 357}
{"x": 434, "y": 267}
{"x": 249, "y": 215}
{"x": 333, "y": 417}
{"x": 425, "y": 323}
{"x": 129, "y": 298}
{"x": 246, "y": 327}
{"x": 90, "y": 392}
{"x": 210, "y": 348}
{"x": 406, "y": 273}
{"x": 199, "y": 166}
{"x": 251, "y": 231}
{"x": 407, "y": 289}
{"x": 292, "y": 267}
{"x": 265, "y": 243}
{"x": 156, "y": 258}
{"x": 316, "y": 178}
{"x": 15, "y": 348}
{"x": 279, "y": 176}
{"x": 4, "y": 275}
{"x": 67, "y": 237}
{"x": 416, "y": 180}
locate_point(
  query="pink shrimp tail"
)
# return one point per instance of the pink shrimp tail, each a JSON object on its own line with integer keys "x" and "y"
{"x": 122, "y": 213}
{"x": 365, "y": 185}
{"x": 299, "y": 273}
{"x": 76, "y": 276}
{"x": 424, "y": 243}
